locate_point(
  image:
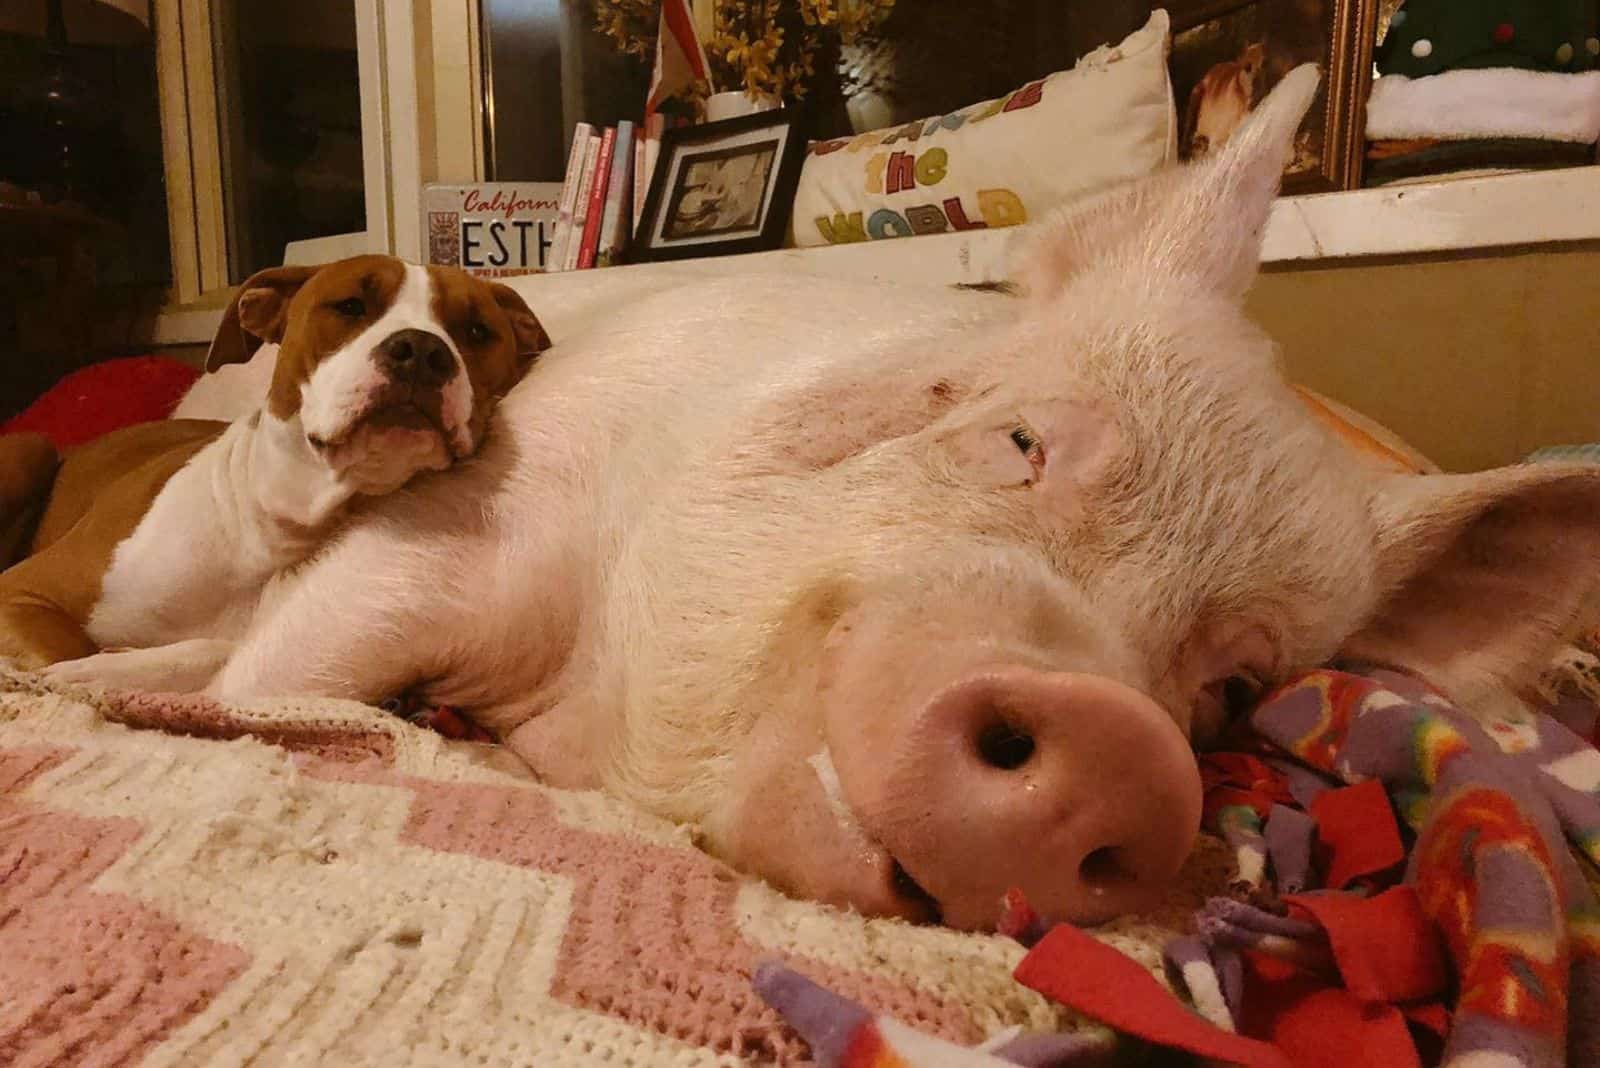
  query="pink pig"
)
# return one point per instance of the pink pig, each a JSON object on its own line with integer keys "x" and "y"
{"x": 906, "y": 596}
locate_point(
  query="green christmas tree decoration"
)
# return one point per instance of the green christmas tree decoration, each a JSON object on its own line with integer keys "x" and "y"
{"x": 1431, "y": 36}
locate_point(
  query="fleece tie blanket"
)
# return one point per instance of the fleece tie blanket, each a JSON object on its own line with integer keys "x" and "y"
{"x": 1410, "y": 887}
{"x": 184, "y": 882}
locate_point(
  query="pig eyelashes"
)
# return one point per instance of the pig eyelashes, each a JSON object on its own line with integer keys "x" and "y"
{"x": 1233, "y": 696}
{"x": 1029, "y": 445}
{"x": 1240, "y": 693}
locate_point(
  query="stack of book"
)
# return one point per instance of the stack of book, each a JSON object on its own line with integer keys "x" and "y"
{"x": 601, "y": 197}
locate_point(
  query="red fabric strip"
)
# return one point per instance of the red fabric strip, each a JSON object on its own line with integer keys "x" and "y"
{"x": 1318, "y": 1026}
{"x": 1357, "y": 832}
{"x": 1084, "y": 974}
{"x": 1386, "y": 947}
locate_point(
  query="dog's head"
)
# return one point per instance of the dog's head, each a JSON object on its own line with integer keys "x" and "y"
{"x": 388, "y": 368}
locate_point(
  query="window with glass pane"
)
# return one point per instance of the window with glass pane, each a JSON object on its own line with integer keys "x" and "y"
{"x": 289, "y": 112}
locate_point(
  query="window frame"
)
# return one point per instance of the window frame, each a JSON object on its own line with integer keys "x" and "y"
{"x": 421, "y": 120}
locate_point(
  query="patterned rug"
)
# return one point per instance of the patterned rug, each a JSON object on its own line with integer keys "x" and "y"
{"x": 188, "y": 883}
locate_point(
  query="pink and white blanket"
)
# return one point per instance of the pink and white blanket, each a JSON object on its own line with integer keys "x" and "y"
{"x": 188, "y": 883}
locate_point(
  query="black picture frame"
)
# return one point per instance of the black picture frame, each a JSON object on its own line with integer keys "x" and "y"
{"x": 665, "y": 233}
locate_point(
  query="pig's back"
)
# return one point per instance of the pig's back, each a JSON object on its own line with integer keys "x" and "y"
{"x": 637, "y": 392}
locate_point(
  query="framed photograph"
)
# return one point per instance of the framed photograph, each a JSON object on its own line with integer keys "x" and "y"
{"x": 722, "y": 187}
{"x": 1227, "y": 54}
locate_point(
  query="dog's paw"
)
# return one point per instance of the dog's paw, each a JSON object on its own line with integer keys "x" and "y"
{"x": 83, "y": 672}
{"x": 184, "y": 667}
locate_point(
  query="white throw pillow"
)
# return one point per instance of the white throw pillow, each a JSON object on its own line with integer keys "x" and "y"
{"x": 1108, "y": 119}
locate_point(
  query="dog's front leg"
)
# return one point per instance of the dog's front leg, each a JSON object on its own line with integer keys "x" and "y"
{"x": 182, "y": 667}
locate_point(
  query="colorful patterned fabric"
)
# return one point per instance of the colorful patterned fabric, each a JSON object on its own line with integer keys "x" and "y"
{"x": 1507, "y": 819}
{"x": 1412, "y": 887}
{"x": 842, "y": 1034}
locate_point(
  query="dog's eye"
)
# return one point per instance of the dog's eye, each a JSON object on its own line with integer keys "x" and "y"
{"x": 477, "y": 333}
{"x": 351, "y": 307}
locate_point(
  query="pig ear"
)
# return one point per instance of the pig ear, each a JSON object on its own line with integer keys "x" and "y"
{"x": 1485, "y": 573}
{"x": 256, "y": 314}
{"x": 1204, "y": 220}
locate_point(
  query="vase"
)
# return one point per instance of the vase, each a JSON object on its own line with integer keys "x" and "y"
{"x": 737, "y": 102}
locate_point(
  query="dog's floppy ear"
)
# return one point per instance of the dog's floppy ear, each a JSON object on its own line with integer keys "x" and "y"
{"x": 256, "y": 314}
{"x": 525, "y": 326}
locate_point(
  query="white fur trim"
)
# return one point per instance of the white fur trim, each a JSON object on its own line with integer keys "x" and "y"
{"x": 1207, "y": 995}
{"x": 1496, "y": 102}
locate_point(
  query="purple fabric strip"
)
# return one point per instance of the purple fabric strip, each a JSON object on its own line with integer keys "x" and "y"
{"x": 1290, "y": 834}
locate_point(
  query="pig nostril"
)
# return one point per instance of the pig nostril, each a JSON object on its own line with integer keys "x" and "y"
{"x": 1005, "y": 747}
{"x": 1103, "y": 869}
{"x": 909, "y": 890}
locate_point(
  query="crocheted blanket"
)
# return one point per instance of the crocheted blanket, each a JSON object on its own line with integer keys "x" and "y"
{"x": 189, "y": 883}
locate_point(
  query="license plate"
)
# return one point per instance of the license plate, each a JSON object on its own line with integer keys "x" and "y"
{"x": 491, "y": 229}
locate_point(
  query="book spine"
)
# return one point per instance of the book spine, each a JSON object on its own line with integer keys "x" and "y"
{"x": 569, "y": 196}
{"x": 597, "y": 199}
{"x": 649, "y": 143}
{"x": 580, "y": 204}
{"x": 641, "y": 181}
{"x": 614, "y": 227}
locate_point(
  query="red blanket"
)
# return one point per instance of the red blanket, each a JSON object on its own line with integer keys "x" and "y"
{"x": 105, "y": 397}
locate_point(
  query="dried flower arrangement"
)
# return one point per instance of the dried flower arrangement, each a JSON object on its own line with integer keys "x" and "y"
{"x": 768, "y": 48}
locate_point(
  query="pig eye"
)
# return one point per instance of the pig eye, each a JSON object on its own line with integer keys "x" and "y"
{"x": 351, "y": 307}
{"x": 1239, "y": 695}
{"x": 1225, "y": 701}
{"x": 1027, "y": 444}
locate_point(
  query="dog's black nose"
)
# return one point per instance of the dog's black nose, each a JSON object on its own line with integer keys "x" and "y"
{"x": 417, "y": 358}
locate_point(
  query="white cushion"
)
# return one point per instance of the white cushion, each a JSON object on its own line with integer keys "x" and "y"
{"x": 999, "y": 163}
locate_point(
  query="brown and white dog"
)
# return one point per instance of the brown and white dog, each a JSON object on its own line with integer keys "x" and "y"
{"x": 159, "y": 539}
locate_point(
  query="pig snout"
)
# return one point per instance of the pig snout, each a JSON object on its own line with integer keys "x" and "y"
{"x": 1074, "y": 788}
